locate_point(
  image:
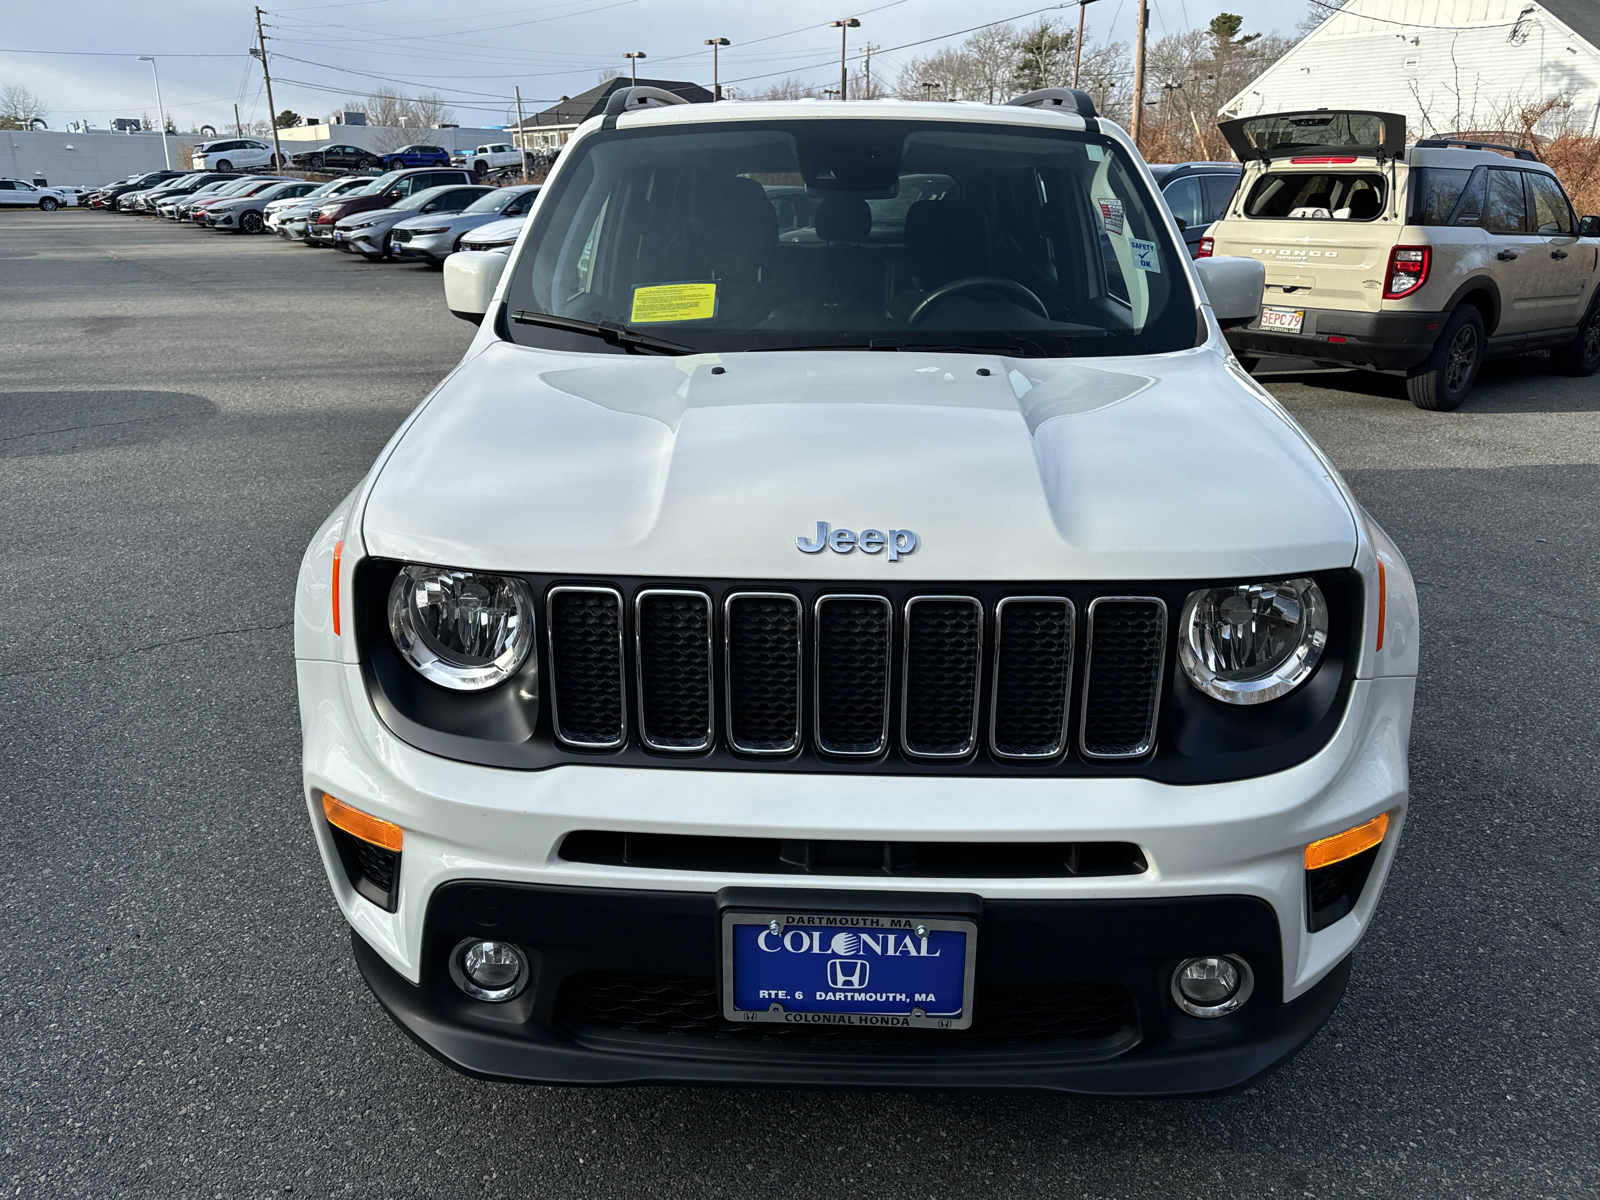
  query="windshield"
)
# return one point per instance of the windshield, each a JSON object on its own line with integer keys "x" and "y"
{"x": 492, "y": 202}
{"x": 855, "y": 233}
{"x": 237, "y": 186}
{"x": 420, "y": 198}
{"x": 277, "y": 190}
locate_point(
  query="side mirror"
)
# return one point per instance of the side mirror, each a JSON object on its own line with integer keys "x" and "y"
{"x": 427, "y": 208}
{"x": 1182, "y": 224}
{"x": 1589, "y": 226}
{"x": 470, "y": 280}
{"x": 1233, "y": 287}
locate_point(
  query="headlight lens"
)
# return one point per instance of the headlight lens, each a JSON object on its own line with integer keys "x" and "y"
{"x": 463, "y": 630}
{"x": 1253, "y": 642}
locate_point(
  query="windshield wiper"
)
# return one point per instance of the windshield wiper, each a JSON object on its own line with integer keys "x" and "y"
{"x": 617, "y": 334}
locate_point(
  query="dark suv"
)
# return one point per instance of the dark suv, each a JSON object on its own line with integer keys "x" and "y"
{"x": 1197, "y": 193}
{"x": 385, "y": 190}
{"x": 416, "y": 156}
{"x": 109, "y": 197}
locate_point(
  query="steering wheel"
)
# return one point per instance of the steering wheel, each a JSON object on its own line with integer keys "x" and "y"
{"x": 1010, "y": 288}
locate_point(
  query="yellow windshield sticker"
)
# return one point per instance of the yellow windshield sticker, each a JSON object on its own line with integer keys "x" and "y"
{"x": 674, "y": 302}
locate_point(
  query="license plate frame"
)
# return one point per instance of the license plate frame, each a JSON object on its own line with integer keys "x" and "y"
{"x": 1293, "y": 322}
{"x": 799, "y": 984}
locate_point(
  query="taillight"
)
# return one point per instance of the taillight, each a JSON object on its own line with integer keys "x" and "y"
{"x": 1207, "y": 247}
{"x": 1408, "y": 270}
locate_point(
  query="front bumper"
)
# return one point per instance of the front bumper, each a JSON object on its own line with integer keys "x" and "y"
{"x": 1217, "y": 854}
{"x": 1387, "y": 341}
{"x": 430, "y": 247}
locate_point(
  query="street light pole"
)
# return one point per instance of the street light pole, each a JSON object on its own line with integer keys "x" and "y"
{"x": 161, "y": 113}
{"x": 633, "y": 57}
{"x": 1077, "y": 46}
{"x": 716, "y": 86}
{"x": 844, "y": 27}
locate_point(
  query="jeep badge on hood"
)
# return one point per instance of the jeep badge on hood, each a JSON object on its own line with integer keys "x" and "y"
{"x": 898, "y": 542}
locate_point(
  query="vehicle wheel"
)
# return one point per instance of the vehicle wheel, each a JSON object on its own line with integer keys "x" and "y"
{"x": 49, "y": 204}
{"x": 480, "y": 169}
{"x": 224, "y": 165}
{"x": 1581, "y": 356}
{"x": 1442, "y": 382}
{"x": 251, "y": 222}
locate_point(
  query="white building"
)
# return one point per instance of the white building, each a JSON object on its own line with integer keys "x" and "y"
{"x": 1447, "y": 65}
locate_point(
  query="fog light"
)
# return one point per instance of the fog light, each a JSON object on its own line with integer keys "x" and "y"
{"x": 492, "y": 971}
{"x": 1213, "y": 986}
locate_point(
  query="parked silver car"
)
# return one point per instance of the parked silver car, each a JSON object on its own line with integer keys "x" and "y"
{"x": 368, "y": 233}
{"x": 497, "y": 235}
{"x": 434, "y": 237}
{"x": 244, "y": 214}
{"x": 185, "y": 208}
{"x": 289, "y": 218}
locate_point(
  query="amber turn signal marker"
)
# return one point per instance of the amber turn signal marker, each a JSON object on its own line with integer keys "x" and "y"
{"x": 385, "y": 834}
{"x": 1383, "y": 600}
{"x": 338, "y": 553}
{"x": 1342, "y": 845}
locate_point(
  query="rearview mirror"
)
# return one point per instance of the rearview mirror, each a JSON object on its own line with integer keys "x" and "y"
{"x": 470, "y": 280}
{"x": 1233, "y": 287}
{"x": 1589, "y": 226}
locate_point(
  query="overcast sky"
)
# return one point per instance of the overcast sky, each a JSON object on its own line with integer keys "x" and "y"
{"x": 476, "y": 53}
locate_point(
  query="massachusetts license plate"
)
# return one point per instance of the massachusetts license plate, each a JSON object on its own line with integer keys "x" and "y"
{"x": 1284, "y": 320}
{"x": 848, "y": 969}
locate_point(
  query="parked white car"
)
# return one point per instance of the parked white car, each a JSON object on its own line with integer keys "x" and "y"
{"x": 287, "y": 218}
{"x": 231, "y": 154}
{"x": 496, "y": 235}
{"x": 486, "y": 158}
{"x": 18, "y": 193}
{"x": 917, "y": 657}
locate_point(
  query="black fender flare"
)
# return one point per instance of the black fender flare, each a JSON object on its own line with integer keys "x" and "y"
{"x": 1479, "y": 283}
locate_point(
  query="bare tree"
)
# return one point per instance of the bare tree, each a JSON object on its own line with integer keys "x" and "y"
{"x": 20, "y": 108}
{"x": 430, "y": 110}
{"x": 608, "y": 74}
{"x": 786, "y": 89}
{"x": 385, "y": 106}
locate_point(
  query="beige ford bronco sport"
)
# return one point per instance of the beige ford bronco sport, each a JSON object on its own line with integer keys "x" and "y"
{"x": 1422, "y": 260}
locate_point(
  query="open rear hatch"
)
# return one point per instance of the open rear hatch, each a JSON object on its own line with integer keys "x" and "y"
{"x": 1325, "y": 134}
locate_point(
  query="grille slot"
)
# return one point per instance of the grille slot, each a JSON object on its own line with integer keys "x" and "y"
{"x": 672, "y": 631}
{"x": 586, "y": 689}
{"x": 853, "y": 674}
{"x": 944, "y": 657}
{"x": 763, "y": 645}
{"x": 1122, "y": 684}
{"x": 1032, "y": 676}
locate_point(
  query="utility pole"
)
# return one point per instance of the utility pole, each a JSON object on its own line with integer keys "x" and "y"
{"x": 1077, "y": 46}
{"x": 272, "y": 110}
{"x": 522, "y": 135}
{"x": 716, "y": 86}
{"x": 633, "y": 57}
{"x": 866, "y": 91}
{"x": 1138, "y": 71}
{"x": 238, "y": 127}
{"x": 844, "y": 27}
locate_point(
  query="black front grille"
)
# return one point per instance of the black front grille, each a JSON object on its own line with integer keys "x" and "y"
{"x": 1033, "y": 676}
{"x": 1127, "y": 649}
{"x": 372, "y": 871}
{"x": 586, "y": 666}
{"x": 1333, "y": 891}
{"x": 853, "y": 652}
{"x": 764, "y": 651}
{"x": 795, "y": 856}
{"x": 674, "y": 636}
{"x": 944, "y": 656}
{"x": 688, "y": 1006}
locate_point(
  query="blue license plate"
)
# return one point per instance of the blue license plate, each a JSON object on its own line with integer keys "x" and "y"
{"x": 848, "y": 969}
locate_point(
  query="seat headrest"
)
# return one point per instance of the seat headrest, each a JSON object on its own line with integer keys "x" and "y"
{"x": 948, "y": 239}
{"x": 844, "y": 219}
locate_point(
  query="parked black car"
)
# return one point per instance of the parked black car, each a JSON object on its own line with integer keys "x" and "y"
{"x": 337, "y": 158}
{"x": 1197, "y": 193}
{"x": 109, "y": 196}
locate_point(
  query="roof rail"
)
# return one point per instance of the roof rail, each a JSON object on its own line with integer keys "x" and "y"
{"x": 1057, "y": 97}
{"x": 1441, "y": 143}
{"x": 631, "y": 99}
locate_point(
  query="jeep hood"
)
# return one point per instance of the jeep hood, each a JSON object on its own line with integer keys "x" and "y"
{"x": 525, "y": 460}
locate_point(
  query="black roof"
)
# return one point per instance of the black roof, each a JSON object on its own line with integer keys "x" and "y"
{"x": 577, "y": 109}
{"x": 1582, "y": 15}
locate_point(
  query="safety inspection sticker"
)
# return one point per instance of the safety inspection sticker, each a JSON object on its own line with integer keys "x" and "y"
{"x": 674, "y": 302}
{"x": 1111, "y": 215}
{"x": 1144, "y": 255}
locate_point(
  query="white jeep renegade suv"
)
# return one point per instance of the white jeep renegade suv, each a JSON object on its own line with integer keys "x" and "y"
{"x": 906, "y": 652}
{"x": 1424, "y": 260}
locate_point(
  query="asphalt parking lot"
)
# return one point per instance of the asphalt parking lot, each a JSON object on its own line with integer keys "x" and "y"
{"x": 180, "y": 1013}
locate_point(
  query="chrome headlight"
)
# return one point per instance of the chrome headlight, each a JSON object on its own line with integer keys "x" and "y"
{"x": 1253, "y": 642}
{"x": 463, "y": 630}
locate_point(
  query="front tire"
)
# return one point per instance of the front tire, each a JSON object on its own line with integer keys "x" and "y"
{"x": 49, "y": 204}
{"x": 1581, "y": 356}
{"x": 479, "y": 170}
{"x": 1445, "y": 377}
{"x": 251, "y": 222}
{"x": 224, "y": 165}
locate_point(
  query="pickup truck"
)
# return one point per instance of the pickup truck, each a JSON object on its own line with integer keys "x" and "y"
{"x": 487, "y": 158}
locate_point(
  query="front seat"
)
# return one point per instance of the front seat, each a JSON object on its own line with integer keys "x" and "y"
{"x": 945, "y": 240}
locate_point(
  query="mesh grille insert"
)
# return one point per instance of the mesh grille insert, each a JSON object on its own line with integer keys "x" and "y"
{"x": 586, "y": 666}
{"x": 944, "y": 653}
{"x": 1127, "y": 641}
{"x": 689, "y": 1006}
{"x": 1032, "y": 674}
{"x": 852, "y": 674}
{"x": 763, "y": 645}
{"x": 674, "y": 641}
